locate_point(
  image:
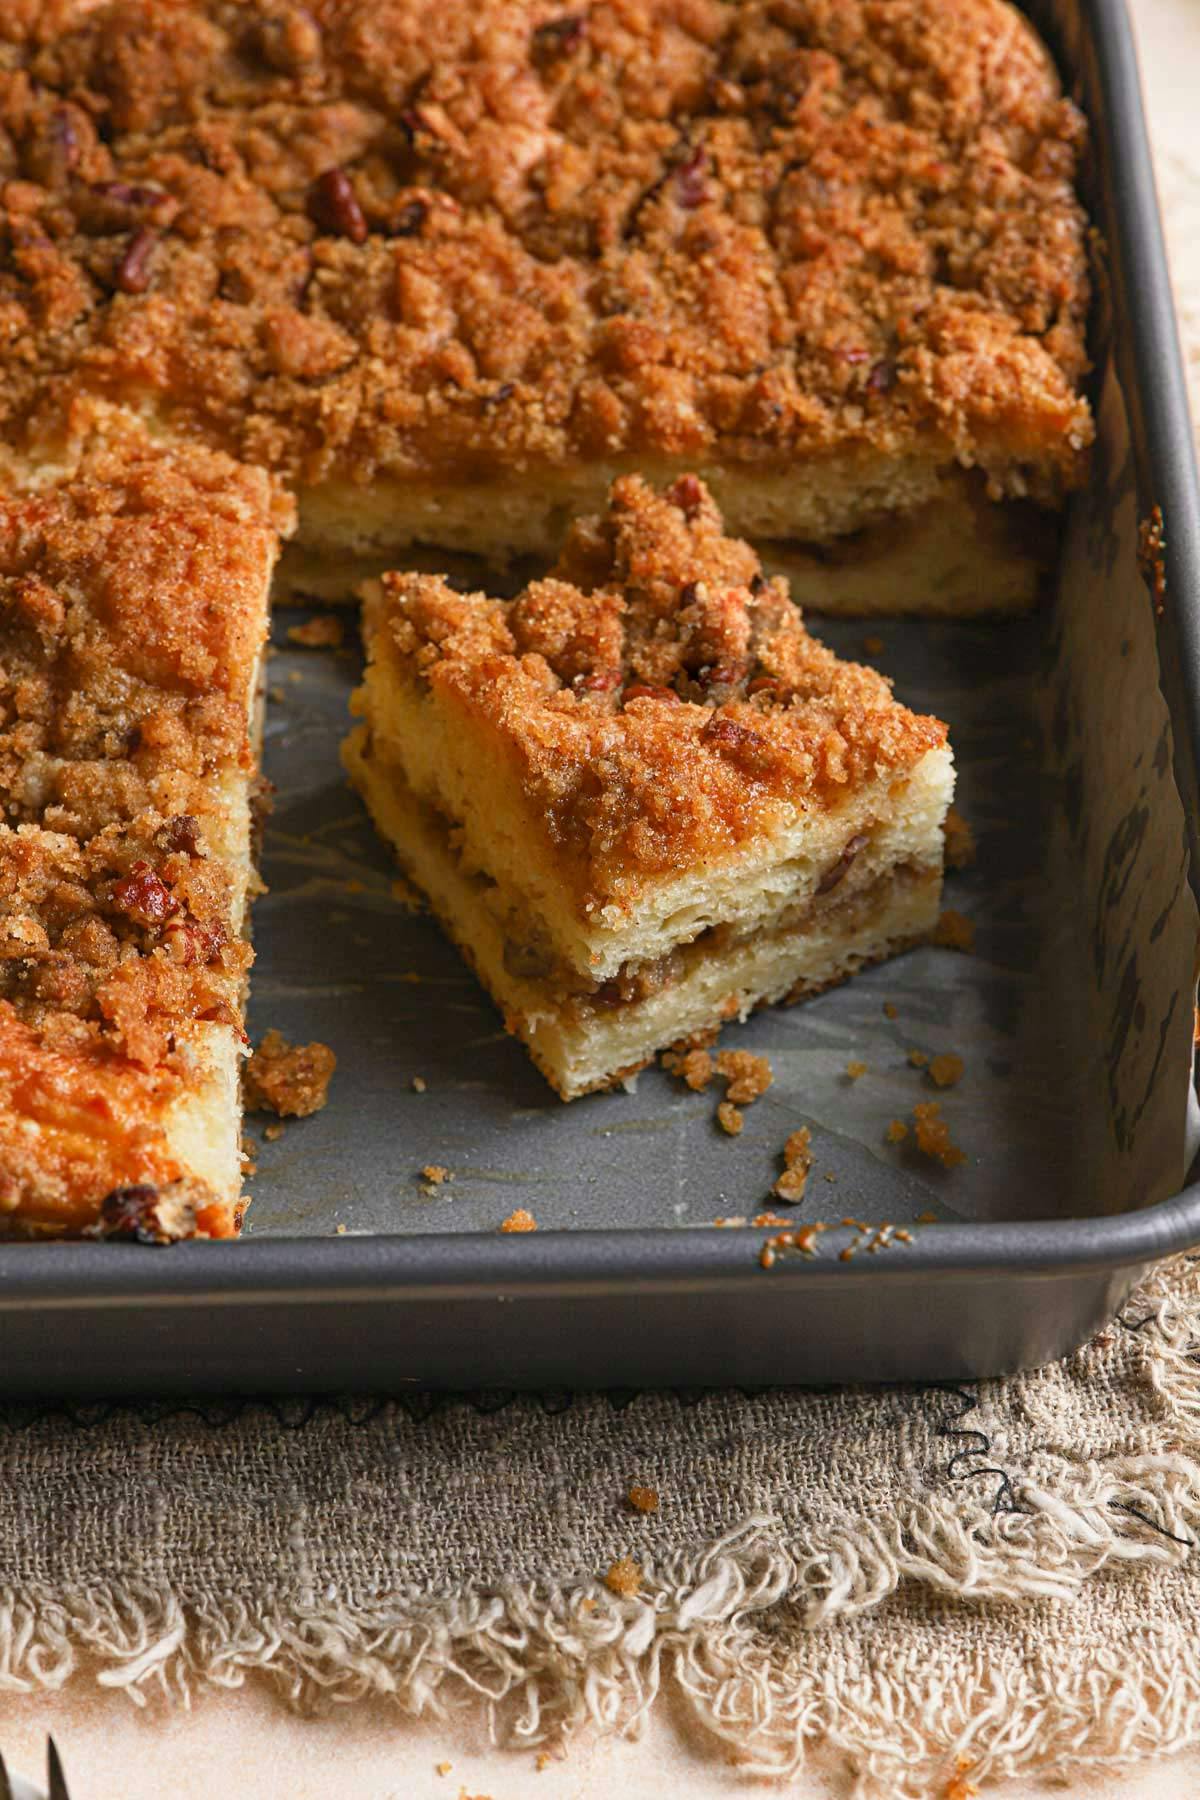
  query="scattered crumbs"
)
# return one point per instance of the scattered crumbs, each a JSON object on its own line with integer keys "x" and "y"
{"x": 903, "y": 1236}
{"x": 728, "y": 1224}
{"x": 918, "y": 1059}
{"x": 443, "y": 1768}
{"x": 274, "y": 1131}
{"x": 1150, "y": 547}
{"x": 856, "y": 1070}
{"x": 730, "y": 1118}
{"x": 463, "y": 1795}
{"x": 643, "y": 1499}
{"x": 624, "y": 1577}
{"x": 889, "y": 1010}
{"x": 803, "y": 1239}
{"x": 519, "y": 1221}
{"x": 248, "y": 1158}
{"x": 954, "y": 931}
{"x": 846, "y": 1255}
{"x": 933, "y": 1136}
{"x": 829, "y": 1176}
{"x": 324, "y": 631}
{"x": 882, "y": 1238}
{"x": 747, "y": 1076}
{"x": 406, "y": 895}
{"x": 418, "y": 1084}
{"x": 960, "y": 841}
{"x": 958, "y": 1787}
{"x": 340, "y": 1230}
{"x": 896, "y": 1132}
{"x": 543, "y": 1761}
{"x": 275, "y": 695}
{"x": 858, "y": 1224}
{"x": 927, "y": 1218}
{"x": 694, "y": 1068}
{"x": 797, "y": 1161}
{"x": 770, "y": 1218}
{"x": 947, "y": 1070}
{"x": 873, "y": 646}
{"x": 290, "y": 1079}
{"x": 436, "y": 1174}
{"x": 766, "y": 1256}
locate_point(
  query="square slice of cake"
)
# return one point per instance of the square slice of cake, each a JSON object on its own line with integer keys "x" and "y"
{"x": 450, "y": 266}
{"x": 640, "y": 796}
{"x": 133, "y": 610}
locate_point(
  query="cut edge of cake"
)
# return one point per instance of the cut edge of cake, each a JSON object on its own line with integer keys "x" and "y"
{"x": 800, "y": 830}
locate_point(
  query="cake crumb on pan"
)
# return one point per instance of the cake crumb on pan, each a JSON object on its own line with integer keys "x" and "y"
{"x": 643, "y": 1499}
{"x": 520, "y": 1220}
{"x": 933, "y": 1136}
{"x": 289, "y": 1079}
{"x": 953, "y": 931}
{"x": 797, "y": 1159}
{"x": 947, "y": 1070}
{"x": 960, "y": 840}
{"x": 323, "y": 632}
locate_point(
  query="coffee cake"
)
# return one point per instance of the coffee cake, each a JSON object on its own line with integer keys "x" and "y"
{"x": 450, "y": 268}
{"x": 133, "y": 606}
{"x": 640, "y": 796}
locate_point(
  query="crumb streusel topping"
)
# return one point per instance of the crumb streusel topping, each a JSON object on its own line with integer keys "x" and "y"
{"x": 436, "y": 239}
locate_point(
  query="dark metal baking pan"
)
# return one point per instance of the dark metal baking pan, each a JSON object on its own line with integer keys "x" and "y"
{"x": 1072, "y": 1017}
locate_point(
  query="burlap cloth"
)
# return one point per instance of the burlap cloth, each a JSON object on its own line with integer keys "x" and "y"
{"x": 997, "y": 1578}
{"x": 1003, "y": 1573}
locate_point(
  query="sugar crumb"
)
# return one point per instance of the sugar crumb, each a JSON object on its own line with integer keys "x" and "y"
{"x": 927, "y": 1218}
{"x": 889, "y": 1010}
{"x": 289, "y": 1079}
{"x": 918, "y": 1059}
{"x": 643, "y": 1499}
{"x": 896, "y": 1132}
{"x": 324, "y": 631}
{"x": 624, "y": 1577}
{"x": 954, "y": 931}
{"x": 856, "y": 1070}
{"x": 797, "y": 1161}
{"x": 730, "y": 1118}
{"x": 519, "y": 1221}
{"x": 694, "y": 1068}
{"x": 274, "y": 1131}
{"x": 418, "y": 1084}
{"x": 747, "y": 1076}
{"x": 947, "y": 1070}
{"x": 340, "y": 1230}
{"x": 543, "y": 1761}
{"x": 933, "y": 1136}
{"x": 435, "y": 1174}
{"x": 443, "y": 1768}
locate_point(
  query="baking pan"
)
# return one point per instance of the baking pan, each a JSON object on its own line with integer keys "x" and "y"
{"x": 1078, "y": 739}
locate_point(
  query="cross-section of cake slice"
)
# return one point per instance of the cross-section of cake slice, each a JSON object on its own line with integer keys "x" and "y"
{"x": 640, "y": 796}
{"x": 133, "y": 608}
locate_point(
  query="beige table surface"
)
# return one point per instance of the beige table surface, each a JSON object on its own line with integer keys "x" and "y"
{"x": 247, "y": 1744}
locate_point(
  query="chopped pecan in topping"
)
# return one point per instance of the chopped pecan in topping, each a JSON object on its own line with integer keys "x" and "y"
{"x": 640, "y": 690}
{"x": 408, "y": 221}
{"x": 557, "y": 38}
{"x": 691, "y": 187}
{"x": 686, "y": 493}
{"x": 144, "y": 896}
{"x": 132, "y": 273}
{"x": 726, "y": 734}
{"x": 146, "y": 1214}
{"x": 181, "y": 835}
{"x": 599, "y": 681}
{"x": 333, "y": 207}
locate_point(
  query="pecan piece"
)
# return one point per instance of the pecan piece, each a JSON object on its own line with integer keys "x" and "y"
{"x": 641, "y": 690}
{"x": 144, "y": 896}
{"x": 145, "y": 1214}
{"x": 410, "y": 218}
{"x": 557, "y": 38}
{"x": 691, "y": 186}
{"x": 133, "y": 271}
{"x": 333, "y": 207}
{"x": 687, "y": 494}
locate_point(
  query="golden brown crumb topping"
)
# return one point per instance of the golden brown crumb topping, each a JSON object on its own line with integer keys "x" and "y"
{"x": 365, "y": 233}
{"x": 623, "y": 1577}
{"x": 643, "y": 1499}
{"x": 797, "y": 1164}
{"x": 661, "y": 701}
{"x": 289, "y": 1079}
{"x": 520, "y": 1220}
{"x": 132, "y": 582}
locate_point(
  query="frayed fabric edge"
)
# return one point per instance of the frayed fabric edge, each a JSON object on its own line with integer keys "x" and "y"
{"x": 729, "y": 1630}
